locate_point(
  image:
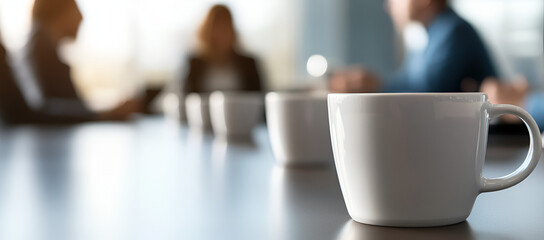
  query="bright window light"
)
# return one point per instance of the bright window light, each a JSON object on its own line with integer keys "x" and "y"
{"x": 317, "y": 65}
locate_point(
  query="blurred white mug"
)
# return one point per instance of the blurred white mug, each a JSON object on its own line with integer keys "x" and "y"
{"x": 415, "y": 159}
{"x": 298, "y": 128}
{"x": 235, "y": 113}
{"x": 198, "y": 111}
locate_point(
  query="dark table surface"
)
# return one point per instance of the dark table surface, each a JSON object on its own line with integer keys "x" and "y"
{"x": 153, "y": 179}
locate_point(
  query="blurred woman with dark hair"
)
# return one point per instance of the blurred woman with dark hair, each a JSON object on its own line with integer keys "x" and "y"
{"x": 218, "y": 64}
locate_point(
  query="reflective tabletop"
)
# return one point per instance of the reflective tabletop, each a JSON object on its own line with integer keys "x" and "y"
{"x": 154, "y": 179}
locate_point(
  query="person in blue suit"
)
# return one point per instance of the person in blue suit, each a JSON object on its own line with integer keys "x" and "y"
{"x": 454, "y": 60}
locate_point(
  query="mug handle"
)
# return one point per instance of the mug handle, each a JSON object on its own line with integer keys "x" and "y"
{"x": 535, "y": 149}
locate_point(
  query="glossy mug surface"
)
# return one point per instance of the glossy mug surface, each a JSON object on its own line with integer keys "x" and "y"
{"x": 298, "y": 128}
{"x": 415, "y": 160}
{"x": 235, "y": 113}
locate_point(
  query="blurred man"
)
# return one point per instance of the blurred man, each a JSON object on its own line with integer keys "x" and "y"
{"x": 53, "y": 21}
{"x": 454, "y": 60}
{"x": 48, "y": 87}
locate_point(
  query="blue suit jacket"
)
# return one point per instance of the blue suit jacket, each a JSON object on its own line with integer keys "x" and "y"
{"x": 535, "y": 106}
{"x": 454, "y": 52}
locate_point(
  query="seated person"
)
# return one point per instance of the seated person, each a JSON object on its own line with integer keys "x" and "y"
{"x": 50, "y": 92}
{"x": 219, "y": 65}
{"x": 516, "y": 93}
{"x": 454, "y": 54}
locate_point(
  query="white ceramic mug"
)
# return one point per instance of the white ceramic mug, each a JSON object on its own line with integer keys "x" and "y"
{"x": 415, "y": 160}
{"x": 198, "y": 111}
{"x": 298, "y": 128}
{"x": 235, "y": 113}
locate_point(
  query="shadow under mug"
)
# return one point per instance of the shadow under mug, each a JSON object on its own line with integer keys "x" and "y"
{"x": 415, "y": 160}
{"x": 355, "y": 231}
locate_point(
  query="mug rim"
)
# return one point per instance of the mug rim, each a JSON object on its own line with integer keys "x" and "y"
{"x": 236, "y": 94}
{"x": 236, "y": 97}
{"x": 412, "y": 94}
{"x": 450, "y": 96}
{"x": 297, "y": 95}
{"x": 196, "y": 94}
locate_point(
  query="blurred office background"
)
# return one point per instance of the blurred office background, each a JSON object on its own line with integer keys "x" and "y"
{"x": 125, "y": 46}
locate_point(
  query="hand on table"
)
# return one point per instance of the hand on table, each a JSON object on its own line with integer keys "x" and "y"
{"x": 500, "y": 93}
{"x": 355, "y": 80}
{"x": 123, "y": 111}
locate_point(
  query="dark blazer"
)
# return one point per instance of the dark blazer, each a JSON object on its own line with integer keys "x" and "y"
{"x": 13, "y": 107}
{"x": 51, "y": 74}
{"x": 250, "y": 79}
{"x": 60, "y": 100}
